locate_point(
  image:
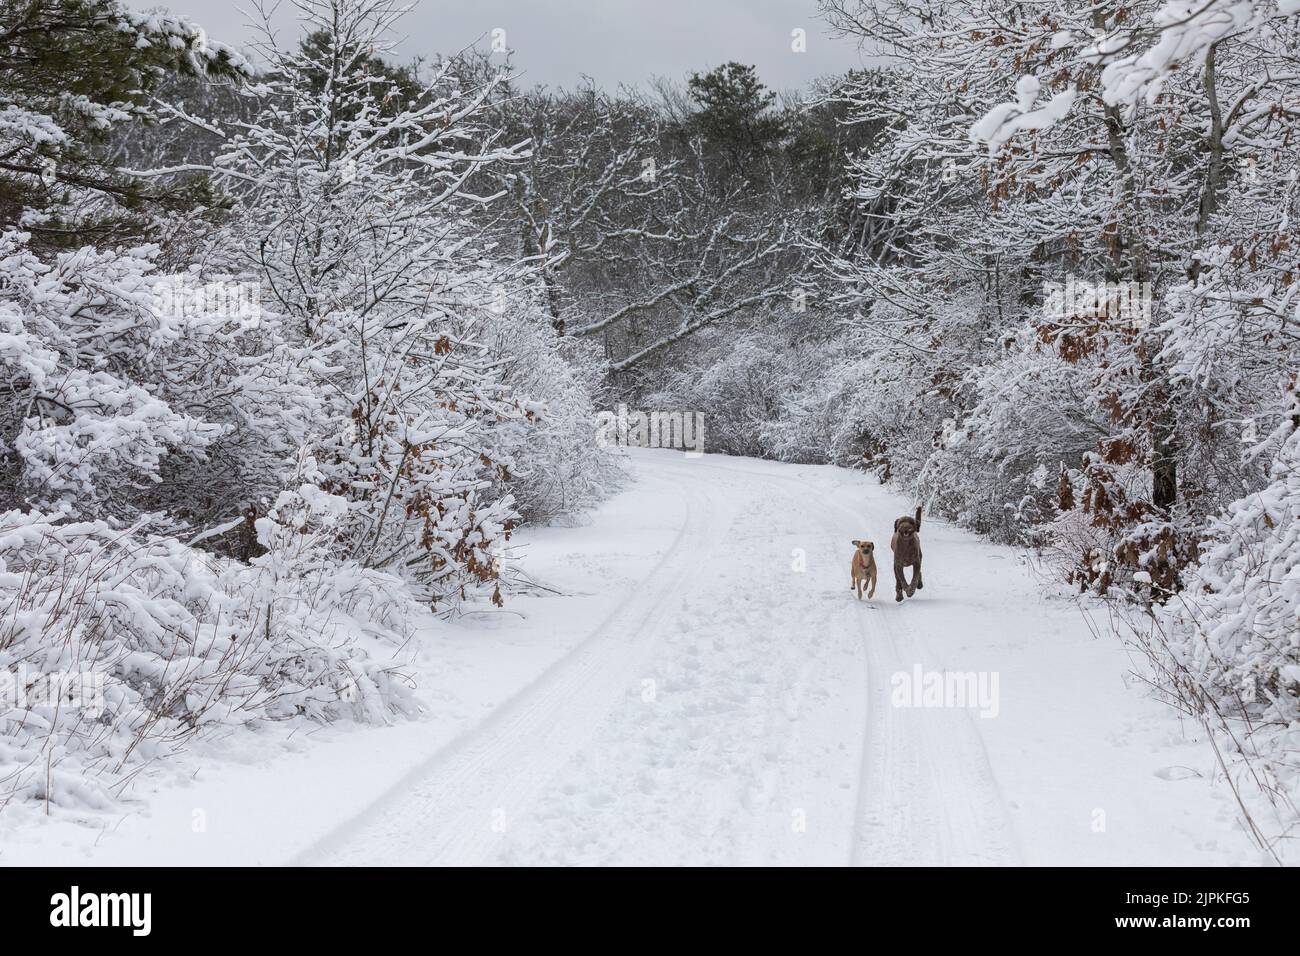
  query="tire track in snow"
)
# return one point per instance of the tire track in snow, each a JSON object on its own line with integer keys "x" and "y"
{"x": 930, "y": 781}
{"x": 875, "y": 732}
{"x": 445, "y": 810}
{"x": 926, "y": 792}
{"x": 735, "y": 764}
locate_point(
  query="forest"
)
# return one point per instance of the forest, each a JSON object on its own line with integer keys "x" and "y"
{"x": 295, "y": 339}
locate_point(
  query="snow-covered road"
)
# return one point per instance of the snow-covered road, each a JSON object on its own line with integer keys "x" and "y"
{"x": 705, "y": 689}
{"x": 737, "y": 705}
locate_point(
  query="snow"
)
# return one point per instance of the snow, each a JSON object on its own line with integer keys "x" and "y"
{"x": 1185, "y": 28}
{"x": 705, "y": 689}
{"x": 1005, "y": 120}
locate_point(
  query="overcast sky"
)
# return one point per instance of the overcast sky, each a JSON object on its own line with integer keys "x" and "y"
{"x": 612, "y": 41}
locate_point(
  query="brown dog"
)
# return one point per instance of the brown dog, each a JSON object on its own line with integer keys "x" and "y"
{"x": 906, "y": 545}
{"x": 863, "y": 569}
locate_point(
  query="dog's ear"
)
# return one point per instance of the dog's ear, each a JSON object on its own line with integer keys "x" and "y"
{"x": 856, "y": 542}
{"x": 897, "y": 522}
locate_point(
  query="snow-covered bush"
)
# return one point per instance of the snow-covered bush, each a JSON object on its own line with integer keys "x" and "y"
{"x": 80, "y": 423}
{"x": 1226, "y": 649}
{"x": 998, "y": 469}
{"x": 127, "y": 395}
{"x": 739, "y": 390}
{"x": 1236, "y": 626}
{"x": 559, "y": 469}
{"x": 117, "y": 646}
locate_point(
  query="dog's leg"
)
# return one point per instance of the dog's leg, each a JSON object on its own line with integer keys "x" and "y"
{"x": 911, "y": 587}
{"x": 899, "y": 584}
{"x": 872, "y": 581}
{"x": 917, "y": 576}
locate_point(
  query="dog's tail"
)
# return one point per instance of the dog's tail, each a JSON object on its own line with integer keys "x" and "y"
{"x": 918, "y": 517}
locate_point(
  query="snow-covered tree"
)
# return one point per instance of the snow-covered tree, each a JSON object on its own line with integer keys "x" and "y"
{"x": 354, "y": 186}
{"x": 71, "y": 71}
{"x": 1019, "y": 203}
{"x": 144, "y": 399}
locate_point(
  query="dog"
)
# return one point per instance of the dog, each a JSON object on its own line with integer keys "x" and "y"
{"x": 862, "y": 570}
{"x": 906, "y": 545}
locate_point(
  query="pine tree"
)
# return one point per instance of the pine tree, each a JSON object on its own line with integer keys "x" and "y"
{"x": 70, "y": 72}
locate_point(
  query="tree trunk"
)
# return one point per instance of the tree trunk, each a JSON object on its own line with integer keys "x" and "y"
{"x": 1164, "y": 466}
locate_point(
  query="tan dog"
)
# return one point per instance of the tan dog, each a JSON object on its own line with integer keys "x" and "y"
{"x": 863, "y": 569}
{"x": 906, "y": 545}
